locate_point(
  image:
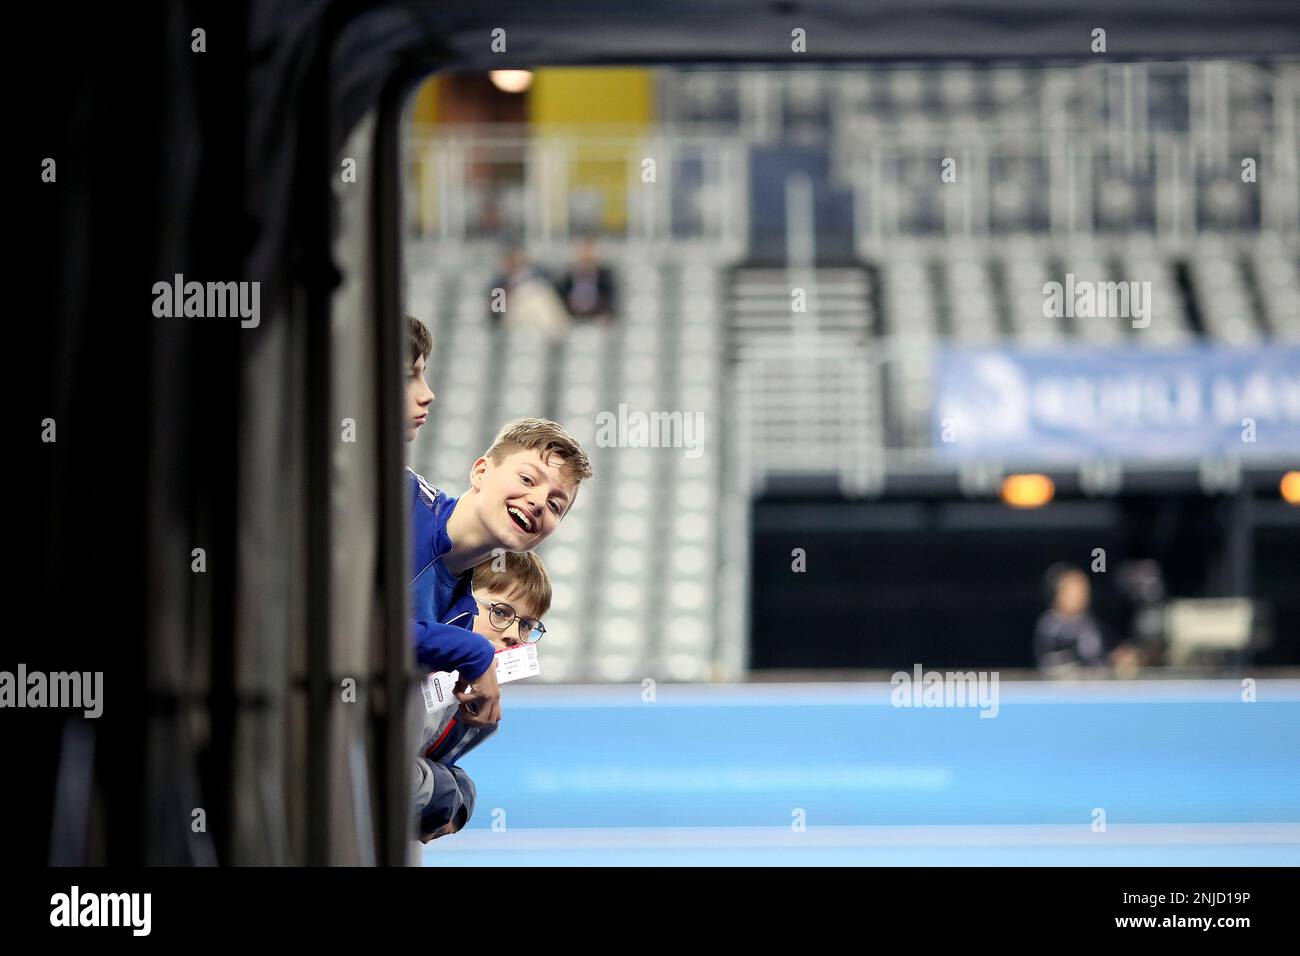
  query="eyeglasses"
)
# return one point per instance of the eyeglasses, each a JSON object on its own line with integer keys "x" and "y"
{"x": 501, "y": 616}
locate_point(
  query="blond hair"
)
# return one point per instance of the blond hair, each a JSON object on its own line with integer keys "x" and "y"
{"x": 546, "y": 438}
{"x": 522, "y": 576}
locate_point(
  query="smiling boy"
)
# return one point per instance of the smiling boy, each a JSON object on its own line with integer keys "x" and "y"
{"x": 520, "y": 489}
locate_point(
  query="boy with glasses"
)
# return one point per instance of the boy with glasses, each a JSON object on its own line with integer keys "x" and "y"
{"x": 512, "y": 591}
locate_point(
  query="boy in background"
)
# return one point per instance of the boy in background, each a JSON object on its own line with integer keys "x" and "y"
{"x": 439, "y": 645}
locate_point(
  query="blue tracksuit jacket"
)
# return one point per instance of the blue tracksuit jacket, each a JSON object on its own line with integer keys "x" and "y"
{"x": 443, "y": 607}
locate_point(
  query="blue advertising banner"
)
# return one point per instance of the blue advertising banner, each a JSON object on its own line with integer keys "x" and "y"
{"x": 1079, "y": 403}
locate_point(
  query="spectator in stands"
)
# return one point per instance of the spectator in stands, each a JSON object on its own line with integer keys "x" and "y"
{"x": 524, "y": 296}
{"x": 588, "y": 287}
{"x": 1142, "y": 586}
{"x": 1067, "y": 637}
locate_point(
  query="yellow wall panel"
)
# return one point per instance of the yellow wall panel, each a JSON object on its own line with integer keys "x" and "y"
{"x": 426, "y": 102}
{"x": 593, "y": 97}
{"x": 611, "y": 96}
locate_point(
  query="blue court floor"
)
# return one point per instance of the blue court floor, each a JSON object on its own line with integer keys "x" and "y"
{"x": 1112, "y": 774}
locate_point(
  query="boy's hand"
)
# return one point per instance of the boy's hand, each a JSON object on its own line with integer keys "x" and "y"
{"x": 482, "y": 702}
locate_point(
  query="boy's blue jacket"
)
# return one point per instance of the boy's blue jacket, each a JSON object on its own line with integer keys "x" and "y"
{"x": 443, "y": 607}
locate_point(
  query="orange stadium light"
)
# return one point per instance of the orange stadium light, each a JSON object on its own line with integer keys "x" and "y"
{"x": 1291, "y": 487}
{"x": 1027, "y": 491}
{"x": 511, "y": 81}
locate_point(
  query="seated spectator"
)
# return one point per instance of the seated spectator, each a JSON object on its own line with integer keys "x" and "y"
{"x": 1142, "y": 586}
{"x": 588, "y": 288}
{"x": 525, "y": 297}
{"x": 1067, "y": 637}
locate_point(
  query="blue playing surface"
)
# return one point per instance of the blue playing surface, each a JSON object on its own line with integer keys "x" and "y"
{"x": 1183, "y": 772}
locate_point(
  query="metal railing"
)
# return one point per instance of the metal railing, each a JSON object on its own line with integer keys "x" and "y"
{"x": 547, "y": 185}
{"x": 1170, "y": 185}
{"x": 773, "y": 105}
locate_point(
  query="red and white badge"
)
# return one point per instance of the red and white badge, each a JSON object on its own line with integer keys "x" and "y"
{"x": 518, "y": 662}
